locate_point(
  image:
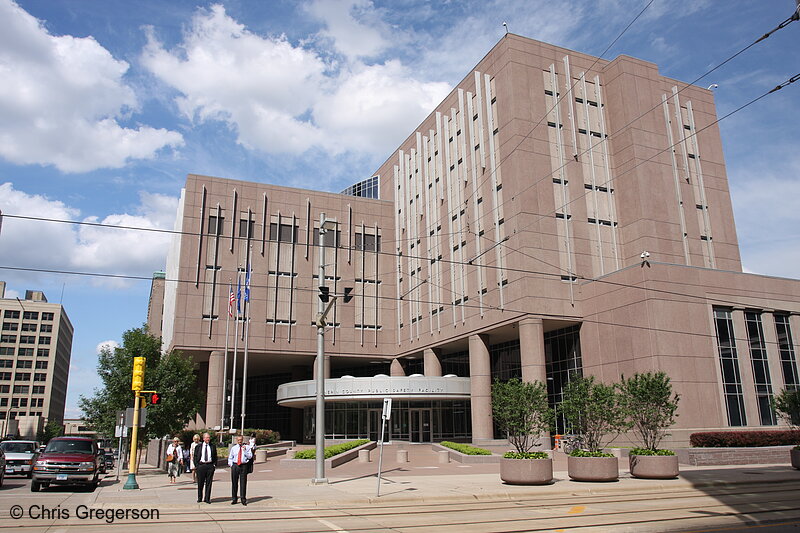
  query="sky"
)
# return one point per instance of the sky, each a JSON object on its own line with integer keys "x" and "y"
{"x": 106, "y": 106}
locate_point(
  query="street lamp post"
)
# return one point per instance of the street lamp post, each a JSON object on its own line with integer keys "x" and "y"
{"x": 324, "y": 226}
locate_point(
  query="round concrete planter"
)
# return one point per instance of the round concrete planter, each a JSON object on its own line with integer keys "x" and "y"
{"x": 593, "y": 468}
{"x": 654, "y": 466}
{"x": 526, "y": 471}
{"x": 795, "y": 455}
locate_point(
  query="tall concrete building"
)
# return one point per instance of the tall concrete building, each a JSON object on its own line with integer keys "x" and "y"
{"x": 556, "y": 213}
{"x": 35, "y": 350}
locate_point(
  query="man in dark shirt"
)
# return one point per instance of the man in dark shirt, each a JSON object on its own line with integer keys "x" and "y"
{"x": 205, "y": 457}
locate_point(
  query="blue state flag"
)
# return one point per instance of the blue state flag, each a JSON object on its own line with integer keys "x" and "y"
{"x": 247, "y": 284}
{"x": 238, "y": 293}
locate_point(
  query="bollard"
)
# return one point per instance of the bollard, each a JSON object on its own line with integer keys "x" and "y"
{"x": 444, "y": 456}
{"x": 402, "y": 456}
{"x": 364, "y": 456}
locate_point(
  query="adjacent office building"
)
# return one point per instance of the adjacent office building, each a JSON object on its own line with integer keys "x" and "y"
{"x": 35, "y": 350}
{"x": 556, "y": 213}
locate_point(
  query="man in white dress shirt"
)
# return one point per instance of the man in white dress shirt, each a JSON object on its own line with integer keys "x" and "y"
{"x": 205, "y": 457}
{"x": 238, "y": 459}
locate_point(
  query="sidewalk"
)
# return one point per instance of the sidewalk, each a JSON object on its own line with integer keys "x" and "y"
{"x": 420, "y": 480}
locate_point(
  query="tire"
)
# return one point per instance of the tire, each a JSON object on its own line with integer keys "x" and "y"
{"x": 35, "y": 485}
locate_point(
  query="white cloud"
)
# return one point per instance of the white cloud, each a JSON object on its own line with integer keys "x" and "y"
{"x": 111, "y": 344}
{"x": 281, "y": 98}
{"x": 85, "y": 248}
{"x": 62, "y": 98}
{"x": 354, "y": 26}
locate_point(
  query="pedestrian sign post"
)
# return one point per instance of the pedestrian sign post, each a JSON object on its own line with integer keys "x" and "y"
{"x": 386, "y": 415}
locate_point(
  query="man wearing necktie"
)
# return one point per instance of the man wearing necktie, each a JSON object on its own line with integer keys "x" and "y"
{"x": 238, "y": 457}
{"x": 205, "y": 457}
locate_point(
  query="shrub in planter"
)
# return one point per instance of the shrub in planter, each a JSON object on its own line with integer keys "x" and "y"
{"x": 330, "y": 451}
{"x": 466, "y": 449}
{"x": 743, "y": 439}
{"x": 649, "y": 407}
{"x": 787, "y": 404}
{"x": 521, "y": 410}
{"x": 592, "y": 410}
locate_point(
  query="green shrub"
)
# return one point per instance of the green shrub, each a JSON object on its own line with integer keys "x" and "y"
{"x": 466, "y": 449}
{"x": 593, "y": 410}
{"x": 330, "y": 451}
{"x": 589, "y": 453}
{"x": 649, "y": 406}
{"x": 647, "y": 451}
{"x": 741, "y": 439}
{"x": 521, "y": 411}
{"x": 787, "y": 404}
{"x": 263, "y": 436}
{"x": 525, "y": 455}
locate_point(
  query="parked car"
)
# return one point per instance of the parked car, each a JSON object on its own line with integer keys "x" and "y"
{"x": 68, "y": 461}
{"x": 20, "y": 456}
{"x": 2, "y": 466}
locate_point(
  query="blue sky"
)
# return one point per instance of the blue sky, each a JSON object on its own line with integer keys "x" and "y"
{"x": 106, "y": 106}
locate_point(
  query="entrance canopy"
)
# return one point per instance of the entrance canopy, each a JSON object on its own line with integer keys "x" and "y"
{"x": 349, "y": 389}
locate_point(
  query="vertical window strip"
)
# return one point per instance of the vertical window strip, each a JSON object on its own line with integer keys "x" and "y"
{"x": 729, "y": 365}
{"x": 783, "y": 330}
{"x": 610, "y": 196}
{"x": 761, "y": 377}
{"x": 200, "y": 237}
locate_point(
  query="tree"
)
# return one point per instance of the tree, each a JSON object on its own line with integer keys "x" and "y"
{"x": 787, "y": 404}
{"x": 592, "y": 409}
{"x": 649, "y": 406}
{"x": 520, "y": 409}
{"x": 171, "y": 374}
{"x": 50, "y": 430}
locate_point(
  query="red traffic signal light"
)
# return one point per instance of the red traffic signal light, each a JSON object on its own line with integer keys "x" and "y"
{"x": 155, "y": 398}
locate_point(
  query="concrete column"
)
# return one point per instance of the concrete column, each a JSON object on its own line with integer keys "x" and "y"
{"x": 299, "y": 373}
{"x": 745, "y": 368}
{"x": 432, "y": 365}
{"x": 396, "y": 369}
{"x": 531, "y": 350}
{"x": 216, "y": 361}
{"x": 480, "y": 388}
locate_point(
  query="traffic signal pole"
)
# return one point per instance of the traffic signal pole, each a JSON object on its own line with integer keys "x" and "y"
{"x": 131, "y": 483}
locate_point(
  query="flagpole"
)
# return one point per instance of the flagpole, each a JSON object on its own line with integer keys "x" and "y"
{"x": 225, "y": 368}
{"x": 246, "y": 339}
{"x": 235, "y": 347}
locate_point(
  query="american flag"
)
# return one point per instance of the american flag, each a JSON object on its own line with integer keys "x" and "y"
{"x": 231, "y": 300}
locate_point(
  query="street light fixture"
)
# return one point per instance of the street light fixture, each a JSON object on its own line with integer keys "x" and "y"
{"x": 325, "y": 225}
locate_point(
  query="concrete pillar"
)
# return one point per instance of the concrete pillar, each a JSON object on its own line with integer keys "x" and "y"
{"x": 480, "y": 388}
{"x": 402, "y": 456}
{"x": 396, "y": 369}
{"x": 216, "y": 362}
{"x": 299, "y": 373}
{"x": 432, "y": 365}
{"x": 531, "y": 350}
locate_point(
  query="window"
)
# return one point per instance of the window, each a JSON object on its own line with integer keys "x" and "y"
{"x": 47, "y": 316}
{"x": 27, "y": 339}
{"x": 287, "y": 233}
{"x": 21, "y": 363}
{"x": 3, "y": 402}
{"x": 28, "y": 327}
{"x": 367, "y": 242}
{"x": 6, "y": 350}
{"x": 5, "y": 376}
{"x": 8, "y": 338}
{"x": 21, "y": 389}
{"x": 38, "y": 389}
{"x": 30, "y": 315}
{"x": 729, "y": 364}
{"x": 44, "y": 340}
{"x": 43, "y": 352}
{"x": 14, "y": 402}
{"x": 45, "y": 328}
{"x": 786, "y": 348}
{"x": 41, "y": 365}
{"x": 337, "y": 238}
{"x": 22, "y": 376}
{"x": 246, "y": 227}
{"x": 11, "y": 314}
{"x": 761, "y": 377}
{"x": 10, "y": 326}
{"x": 25, "y": 352}
{"x": 6, "y": 363}
{"x": 215, "y": 226}
{"x": 39, "y": 377}
{"x": 23, "y": 402}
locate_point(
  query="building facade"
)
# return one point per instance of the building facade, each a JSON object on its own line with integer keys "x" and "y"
{"x": 35, "y": 351}
{"x": 556, "y": 213}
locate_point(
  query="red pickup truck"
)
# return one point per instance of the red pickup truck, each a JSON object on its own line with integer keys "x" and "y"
{"x": 68, "y": 461}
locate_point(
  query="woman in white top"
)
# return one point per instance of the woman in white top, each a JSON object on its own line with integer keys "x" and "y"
{"x": 195, "y": 442}
{"x": 174, "y": 452}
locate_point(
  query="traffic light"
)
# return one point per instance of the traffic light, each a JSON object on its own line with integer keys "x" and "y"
{"x": 137, "y": 383}
{"x": 155, "y": 398}
{"x": 324, "y": 294}
{"x": 347, "y": 295}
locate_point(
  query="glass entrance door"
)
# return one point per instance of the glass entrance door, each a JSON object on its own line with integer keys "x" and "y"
{"x": 420, "y": 425}
{"x": 374, "y": 424}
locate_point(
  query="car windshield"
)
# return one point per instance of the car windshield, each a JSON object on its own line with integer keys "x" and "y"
{"x": 68, "y": 446}
{"x": 17, "y": 447}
